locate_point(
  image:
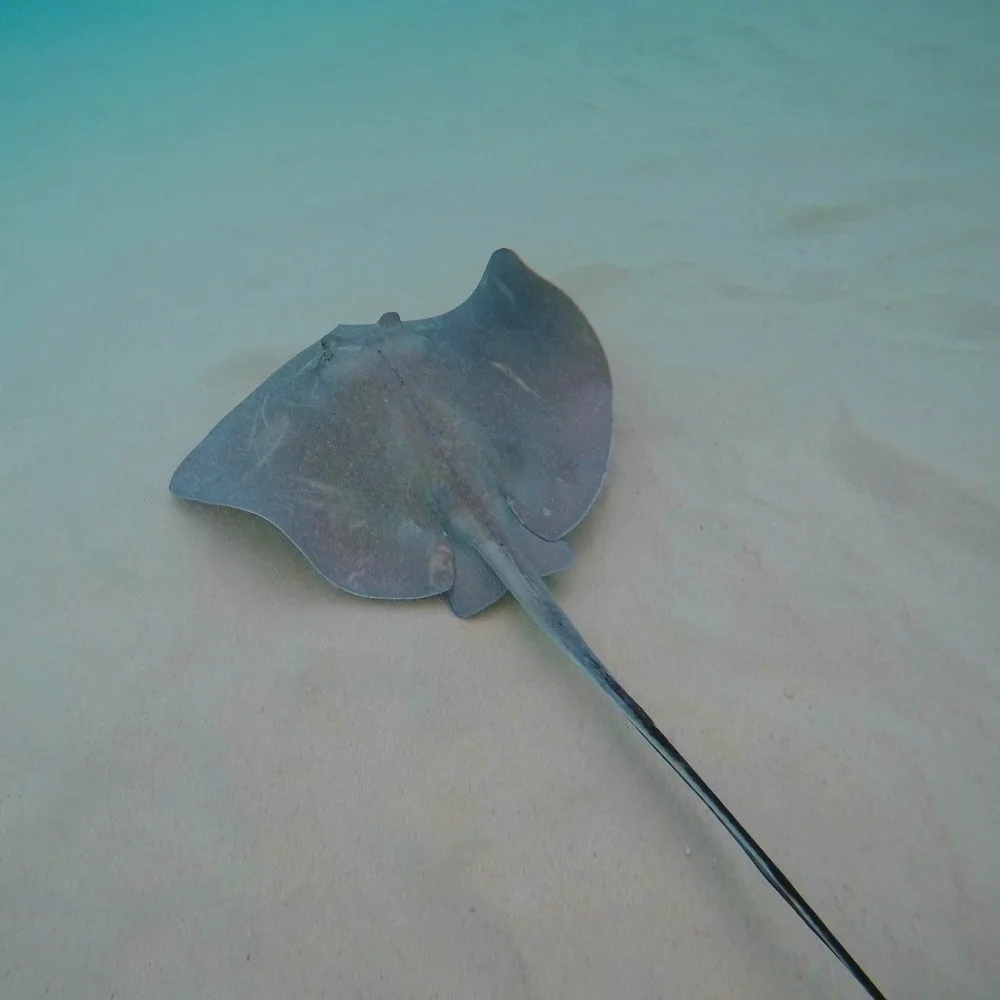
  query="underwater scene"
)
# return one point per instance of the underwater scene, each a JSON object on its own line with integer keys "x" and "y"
{"x": 499, "y": 500}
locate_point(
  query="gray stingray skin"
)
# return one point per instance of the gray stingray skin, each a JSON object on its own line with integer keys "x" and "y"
{"x": 368, "y": 448}
{"x": 448, "y": 455}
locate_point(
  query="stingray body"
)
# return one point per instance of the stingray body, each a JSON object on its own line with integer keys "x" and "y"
{"x": 447, "y": 455}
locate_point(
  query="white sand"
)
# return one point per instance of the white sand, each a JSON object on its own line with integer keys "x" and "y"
{"x": 221, "y": 779}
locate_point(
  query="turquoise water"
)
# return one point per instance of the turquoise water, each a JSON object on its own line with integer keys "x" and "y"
{"x": 784, "y": 222}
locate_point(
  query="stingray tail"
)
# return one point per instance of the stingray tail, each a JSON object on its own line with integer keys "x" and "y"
{"x": 531, "y": 592}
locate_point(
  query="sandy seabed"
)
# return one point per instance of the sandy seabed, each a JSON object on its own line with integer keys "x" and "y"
{"x": 220, "y": 778}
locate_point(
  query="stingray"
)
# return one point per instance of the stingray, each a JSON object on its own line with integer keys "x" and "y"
{"x": 448, "y": 455}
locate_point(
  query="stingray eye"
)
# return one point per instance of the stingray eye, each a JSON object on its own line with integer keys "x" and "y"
{"x": 327, "y": 346}
{"x": 389, "y": 320}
